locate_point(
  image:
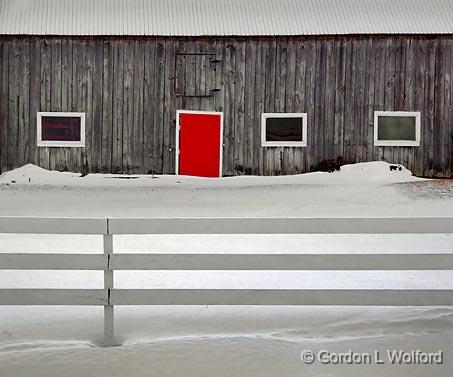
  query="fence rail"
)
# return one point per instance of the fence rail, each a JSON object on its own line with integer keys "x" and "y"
{"x": 109, "y": 262}
{"x": 230, "y": 225}
{"x": 253, "y": 262}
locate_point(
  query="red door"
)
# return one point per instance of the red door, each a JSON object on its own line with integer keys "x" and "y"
{"x": 200, "y": 144}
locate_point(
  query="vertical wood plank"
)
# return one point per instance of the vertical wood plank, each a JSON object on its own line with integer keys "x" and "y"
{"x": 420, "y": 81}
{"x": 269, "y": 104}
{"x": 210, "y": 74}
{"x": 180, "y": 73}
{"x": 159, "y": 109}
{"x": 35, "y": 97}
{"x": 310, "y": 85}
{"x": 190, "y": 88}
{"x": 69, "y": 158}
{"x": 128, "y": 106}
{"x": 24, "y": 102}
{"x": 149, "y": 106}
{"x": 410, "y": 90}
{"x": 75, "y": 158}
{"x": 348, "y": 114}
{"x": 400, "y": 153}
{"x": 430, "y": 91}
{"x": 118, "y": 103}
{"x": 13, "y": 111}
{"x": 96, "y": 118}
{"x": 239, "y": 106}
{"x": 259, "y": 99}
{"x": 368, "y": 139}
{"x": 228, "y": 84}
{"x": 249, "y": 101}
{"x": 138, "y": 140}
{"x": 359, "y": 105}
{"x": 45, "y": 102}
{"x": 380, "y": 85}
{"x": 107, "y": 106}
{"x": 351, "y": 56}
{"x": 320, "y": 89}
{"x": 213, "y": 74}
{"x": 280, "y": 100}
{"x": 87, "y": 99}
{"x": 57, "y": 160}
{"x": 191, "y": 101}
{"x": 340, "y": 82}
{"x": 449, "y": 109}
{"x": 439, "y": 111}
{"x": 389, "y": 93}
{"x": 300, "y": 101}
{"x": 4, "y": 106}
{"x": 79, "y": 89}
{"x": 329, "y": 99}
{"x": 291, "y": 156}
{"x": 218, "y": 79}
{"x": 169, "y": 114}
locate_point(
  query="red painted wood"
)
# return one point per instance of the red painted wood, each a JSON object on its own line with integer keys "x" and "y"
{"x": 199, "y": 144}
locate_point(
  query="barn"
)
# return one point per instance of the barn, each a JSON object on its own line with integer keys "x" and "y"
{"x": 225, "y": 87}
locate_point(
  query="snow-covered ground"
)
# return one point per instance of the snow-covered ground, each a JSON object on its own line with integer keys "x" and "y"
{"x": 223, "y": 341}
{"x": 366, "y": 189}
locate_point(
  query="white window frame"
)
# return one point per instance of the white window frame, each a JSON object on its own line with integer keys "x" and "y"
{"x": 55, "y": 143}
{"x": 265, "y": 143}
{"x": 397, "y": 143}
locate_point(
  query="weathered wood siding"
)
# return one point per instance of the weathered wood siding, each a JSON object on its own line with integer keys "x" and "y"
{"x": 126, "y": 86}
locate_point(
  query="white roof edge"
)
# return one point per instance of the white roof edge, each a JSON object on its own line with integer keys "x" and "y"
{"x": 224, "y": 18}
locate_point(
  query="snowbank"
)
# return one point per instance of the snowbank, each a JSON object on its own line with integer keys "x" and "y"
{"x": 367, "y": 172}
{"x": 363, "y": 190}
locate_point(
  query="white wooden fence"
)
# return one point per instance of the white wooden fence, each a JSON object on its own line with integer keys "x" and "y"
{"x": 109, "y": 262}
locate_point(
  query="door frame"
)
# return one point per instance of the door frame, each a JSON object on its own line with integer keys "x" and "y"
{"x": 178, "y": 128}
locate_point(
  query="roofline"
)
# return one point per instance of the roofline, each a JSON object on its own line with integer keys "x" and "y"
{"x": 261, "y": 36}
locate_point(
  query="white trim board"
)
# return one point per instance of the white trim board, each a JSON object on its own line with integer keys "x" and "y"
{"x": 397, "y": 143}
{"x": 178, "y": 128}
{"x": 54, "y": 143}
{"x": 265, "y": 143}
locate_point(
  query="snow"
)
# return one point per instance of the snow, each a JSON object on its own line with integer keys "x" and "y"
{"x": 223, "y": 341}
{"x": 377, "y": 171}
{"x": 359, "y": 190}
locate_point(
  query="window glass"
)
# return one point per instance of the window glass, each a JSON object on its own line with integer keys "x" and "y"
{"x": 284, "y": 129}
{"x": 396, "y": 128}
{"x": 61, "y": 128}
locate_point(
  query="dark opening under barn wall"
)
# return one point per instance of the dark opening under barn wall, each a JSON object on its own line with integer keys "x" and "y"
{"x": 131, "y": 87}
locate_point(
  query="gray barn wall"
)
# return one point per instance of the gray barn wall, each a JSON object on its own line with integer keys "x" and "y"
{"x": 126, "y": 87}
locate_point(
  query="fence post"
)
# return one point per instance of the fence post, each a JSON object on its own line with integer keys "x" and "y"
{"x": 109, "y": 327}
